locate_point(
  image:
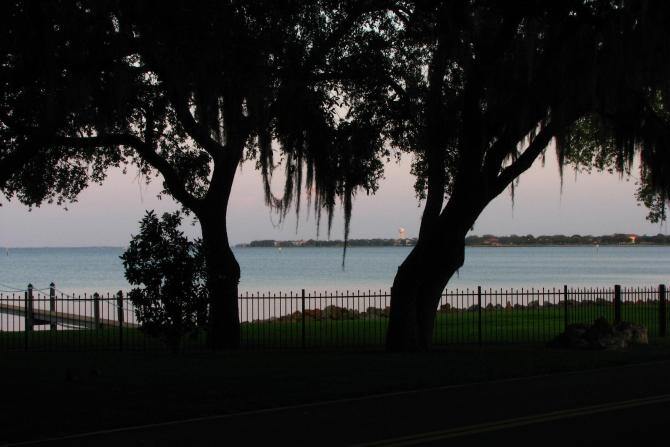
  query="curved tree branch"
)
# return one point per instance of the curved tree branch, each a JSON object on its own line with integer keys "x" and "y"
{"x": 14, "y": 161}
{"x": 173, "y": 181}
{"x": 524, "y": 161}
{"x": 323, "y": 47}
{"x": 198, "y": 132}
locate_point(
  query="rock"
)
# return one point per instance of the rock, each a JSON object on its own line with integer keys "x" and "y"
{"x": 295, "y": 316}
{"x": 572, "y": 337}
{"x": 313, "y": 314}
{"x": 561, "y": 303}
{"x": 446, "y": 307}
{"x": 333, "y": 312}
{"x": 601, "y": 335}
{"x": 71, "y": 375}
{"x": 374, "y": 312}
{"x": 633, "y": 333}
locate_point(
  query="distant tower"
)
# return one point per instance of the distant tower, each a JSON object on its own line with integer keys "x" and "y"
{"x": 401, "y": 233}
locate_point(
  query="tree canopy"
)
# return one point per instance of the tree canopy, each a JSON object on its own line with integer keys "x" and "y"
{"x": 482, "y": 89}
{"x": 475, "y": 90}
{"x": 189, "y": 93}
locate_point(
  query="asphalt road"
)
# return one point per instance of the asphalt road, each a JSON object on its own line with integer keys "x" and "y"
{"x": 623, "y": 404}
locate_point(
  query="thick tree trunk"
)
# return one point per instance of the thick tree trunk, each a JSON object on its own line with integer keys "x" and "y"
{"x": 223, "y": 271}
{"x": 223, "y": 277}
{"x": 421, "y": 278}
{"x": 417, "y": 289}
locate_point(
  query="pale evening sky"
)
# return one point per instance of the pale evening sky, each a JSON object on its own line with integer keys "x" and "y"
{"x": 107, "y": 215}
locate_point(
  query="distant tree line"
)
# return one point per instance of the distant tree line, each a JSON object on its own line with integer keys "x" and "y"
{"x": 484, "y": 240}
{"x": 561, "y": 239}
{"x": 331, "y": 243}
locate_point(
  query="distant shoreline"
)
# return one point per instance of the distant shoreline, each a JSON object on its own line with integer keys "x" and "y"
{"x": 618, "y": 239}
{"x": 245, "y": 246}
{"x": 612, "y": 240}
{"x": 467, "y": 245}
{"x": 76, "y": 247}
{"x": 359, "y": 246}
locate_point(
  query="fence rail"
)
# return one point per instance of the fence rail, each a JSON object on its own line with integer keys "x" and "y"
{"x": 46, "y": 319}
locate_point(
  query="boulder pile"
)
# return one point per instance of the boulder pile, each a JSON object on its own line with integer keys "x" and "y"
{"x": 330, "y": 312}
{"x": 601, "y": 335}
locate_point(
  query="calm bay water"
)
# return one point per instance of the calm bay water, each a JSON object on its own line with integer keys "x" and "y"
{"x": 291, "y": 269}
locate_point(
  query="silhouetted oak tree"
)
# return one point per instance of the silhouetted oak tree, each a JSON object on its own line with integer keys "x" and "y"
{"x": 188, "y": 90}
{"x": 479, "y": 91}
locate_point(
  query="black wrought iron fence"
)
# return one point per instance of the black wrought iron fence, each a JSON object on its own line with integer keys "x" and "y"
{"x": 47, "y": 319}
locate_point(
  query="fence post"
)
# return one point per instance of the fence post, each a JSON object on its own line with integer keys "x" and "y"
{"x": 565, "y": 306}
{"x": 96, "y": 311}
{"x": 28, "y": 308}
{"x": 617, "y": 304}
{"x": 119, "y": 310}
{"x": 30, "y": 311}
{"x": 302, "y": 299}
{"x": 479, "y": 316}
{"x": 52, "y": 306}
{"x": 662, "y": 315}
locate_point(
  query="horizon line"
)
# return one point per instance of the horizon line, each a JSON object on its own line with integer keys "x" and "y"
{"x": 8, "y": 247}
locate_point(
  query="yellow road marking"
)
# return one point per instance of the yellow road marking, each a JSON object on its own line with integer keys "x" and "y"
{"x": 514, "y": 422}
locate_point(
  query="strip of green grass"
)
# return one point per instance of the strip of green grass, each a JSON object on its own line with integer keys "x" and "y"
{"x": 520, "y": 325}
{"x": 538, "y": 324}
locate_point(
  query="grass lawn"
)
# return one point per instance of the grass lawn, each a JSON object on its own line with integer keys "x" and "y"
{"x": 49, "y": 393}
{"x": 522, "y": 325}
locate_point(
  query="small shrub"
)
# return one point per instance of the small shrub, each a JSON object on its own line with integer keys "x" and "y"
{"x": 171, "y": 301}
